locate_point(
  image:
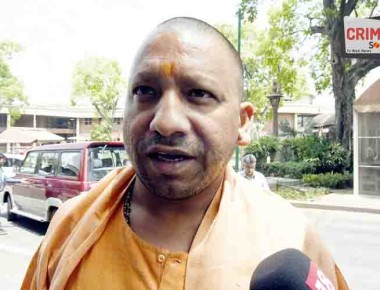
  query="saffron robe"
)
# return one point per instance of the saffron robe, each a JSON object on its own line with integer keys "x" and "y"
{"x": 250, "y": 225}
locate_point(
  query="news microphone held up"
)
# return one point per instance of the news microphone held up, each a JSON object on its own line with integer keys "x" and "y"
{"x": 289, "y": 269}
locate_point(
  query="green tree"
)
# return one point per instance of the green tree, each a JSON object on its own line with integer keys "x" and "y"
{"x": 330, "y": 68}
{"x": 12, "y": 96}
{"x": 269, "y": 58}
{"x": 100, "y": 80}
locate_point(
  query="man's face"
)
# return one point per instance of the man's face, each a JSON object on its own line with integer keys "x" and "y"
{"x": 182, "y": 114}
{"x": 249, "y": 168}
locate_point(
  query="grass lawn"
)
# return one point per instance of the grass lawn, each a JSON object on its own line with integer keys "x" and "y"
{"x": 300, "y": 193}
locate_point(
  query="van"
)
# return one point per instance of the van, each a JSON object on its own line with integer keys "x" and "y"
{"x": 52, "y": 174}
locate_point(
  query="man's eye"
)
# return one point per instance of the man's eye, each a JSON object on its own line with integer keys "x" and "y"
{"x": 198, "y": 93}
{"x": 144, "y": 91}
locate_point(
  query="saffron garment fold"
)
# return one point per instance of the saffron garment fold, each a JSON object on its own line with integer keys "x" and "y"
{"x": 89, "y": 245}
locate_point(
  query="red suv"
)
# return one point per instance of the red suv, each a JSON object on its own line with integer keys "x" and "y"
{"x": 51, "y": 174}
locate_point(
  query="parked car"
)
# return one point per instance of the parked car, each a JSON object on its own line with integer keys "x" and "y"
{"x": 51, "y": 174}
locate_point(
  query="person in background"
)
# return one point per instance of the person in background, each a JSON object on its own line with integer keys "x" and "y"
{"x": 249, "y": 172}
{"x": 3, "y": 159}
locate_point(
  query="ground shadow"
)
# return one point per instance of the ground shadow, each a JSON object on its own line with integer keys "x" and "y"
{"x": 29, "y": 225}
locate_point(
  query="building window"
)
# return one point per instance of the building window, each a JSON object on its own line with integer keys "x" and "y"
{"x": 304, "y": 121}
{"x": 87, "y": 121}
{"x": 3, "y": 120}
{"x": 117, "y": 121}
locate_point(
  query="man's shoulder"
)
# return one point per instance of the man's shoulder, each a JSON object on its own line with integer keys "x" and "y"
{"x": 261, "y": 200}
{"x": 259, "y": 174}
{"x": 95, "y": 202}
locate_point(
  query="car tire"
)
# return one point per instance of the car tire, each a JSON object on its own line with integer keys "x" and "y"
{"x": 10, "y": 215}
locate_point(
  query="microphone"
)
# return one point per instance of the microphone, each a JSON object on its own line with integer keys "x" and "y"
{"x": 289, "y": 269}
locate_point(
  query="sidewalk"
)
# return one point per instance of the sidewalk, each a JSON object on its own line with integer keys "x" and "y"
{"x": 343, "y": 200}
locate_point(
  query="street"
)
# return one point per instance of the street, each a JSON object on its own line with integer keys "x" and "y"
{"x": 353, "y": 238}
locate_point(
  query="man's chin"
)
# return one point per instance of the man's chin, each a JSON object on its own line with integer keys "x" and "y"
{"x": 172, "y": 191}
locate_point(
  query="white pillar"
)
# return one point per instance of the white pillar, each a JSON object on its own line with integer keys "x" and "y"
{"x": 77, "y": 127}
{"x": 6, "y": 127}
{"x": 356, "y": 153}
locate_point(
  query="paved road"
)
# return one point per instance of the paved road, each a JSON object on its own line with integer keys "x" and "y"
{"x": 16, "y": 250}
{"x": 354, "y": 239}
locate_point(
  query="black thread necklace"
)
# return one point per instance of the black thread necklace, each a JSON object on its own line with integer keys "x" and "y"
{"x": 127, "y": 203}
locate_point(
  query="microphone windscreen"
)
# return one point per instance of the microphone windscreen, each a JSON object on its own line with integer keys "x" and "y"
{"x": 289, "y": 269}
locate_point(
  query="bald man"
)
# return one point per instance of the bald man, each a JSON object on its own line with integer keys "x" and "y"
{"x": 179, "y": 217}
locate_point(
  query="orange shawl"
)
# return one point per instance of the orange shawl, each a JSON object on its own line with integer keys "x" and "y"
{"x": 250, "y": 225}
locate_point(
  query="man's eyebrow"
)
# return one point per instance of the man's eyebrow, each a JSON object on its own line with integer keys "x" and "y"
{"x": 145, "y": 76}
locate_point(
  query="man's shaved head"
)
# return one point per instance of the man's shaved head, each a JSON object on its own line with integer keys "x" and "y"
{"x": 184, "y": 25}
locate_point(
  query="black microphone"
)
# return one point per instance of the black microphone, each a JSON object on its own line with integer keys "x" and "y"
{"x": 289, "y": 269}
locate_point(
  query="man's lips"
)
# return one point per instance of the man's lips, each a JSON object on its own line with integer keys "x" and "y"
{"x": 168, "y": 154}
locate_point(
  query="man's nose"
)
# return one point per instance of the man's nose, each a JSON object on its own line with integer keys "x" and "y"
{"x": 170, "y": 116}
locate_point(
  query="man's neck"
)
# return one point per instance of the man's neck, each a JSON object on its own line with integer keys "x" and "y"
{"x": 171, "y": 224}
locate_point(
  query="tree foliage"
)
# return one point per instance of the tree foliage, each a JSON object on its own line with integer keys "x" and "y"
{"x": 329, "y": 67}
{"x": 269, "y": 57}
{"x": 100, "y": 80}
{"x": 11, "y": 90}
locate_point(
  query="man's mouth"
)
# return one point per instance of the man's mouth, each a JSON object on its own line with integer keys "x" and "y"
{"x": 169, "y": 157}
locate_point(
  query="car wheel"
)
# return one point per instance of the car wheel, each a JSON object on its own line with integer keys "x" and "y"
{"x": 10, "y": 215}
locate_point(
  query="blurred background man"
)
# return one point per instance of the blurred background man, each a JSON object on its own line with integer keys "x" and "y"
{"x": 249, "y": 172}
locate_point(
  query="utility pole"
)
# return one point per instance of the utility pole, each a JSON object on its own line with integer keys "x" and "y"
{"x": 237, "y": 149}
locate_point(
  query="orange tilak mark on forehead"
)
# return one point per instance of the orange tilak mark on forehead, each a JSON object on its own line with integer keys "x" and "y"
{"x": 167, "y": 68}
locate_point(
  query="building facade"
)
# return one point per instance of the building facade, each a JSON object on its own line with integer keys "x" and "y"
{"x": 71, "y": 123}
{"x": 300, "y": 114}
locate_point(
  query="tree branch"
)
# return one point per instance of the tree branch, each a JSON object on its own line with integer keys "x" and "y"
{"x": 361, "y": 68}
{"x": 328, "y": 4}
{"x": 373, "y": 8}
{"x": 315, "y": 29}
{"x": 318, "y": 29}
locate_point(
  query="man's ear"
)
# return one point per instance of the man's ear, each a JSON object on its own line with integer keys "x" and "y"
{"x": 246, "y": 115}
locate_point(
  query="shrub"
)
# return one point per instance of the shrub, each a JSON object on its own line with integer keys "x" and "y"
{"x": 318, "y": 151}
{"x": 330, "y": 180}
{"x": 288, "y": 169}
{"x": 288, "y": 150}
{"x": 326, "y": 156}
{"x": 265, "y": 146}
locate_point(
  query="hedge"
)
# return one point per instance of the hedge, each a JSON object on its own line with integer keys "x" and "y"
{"x": 330, "y": 180}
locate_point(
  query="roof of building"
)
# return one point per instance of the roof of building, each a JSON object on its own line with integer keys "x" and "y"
{"x": 80, "y": 145}
{"x": 308, "y": 105}
{"x": 28, "y": 135}
{"x": 369, "y": 101}
{"x": 60, "y": 110}
{"x": 324, "y": 120}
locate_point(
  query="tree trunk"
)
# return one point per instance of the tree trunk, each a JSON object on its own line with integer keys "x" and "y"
{"x": 343, "y": 86}
{"x": 344, "y": 93}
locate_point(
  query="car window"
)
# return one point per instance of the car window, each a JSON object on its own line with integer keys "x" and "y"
{"x": 47, "y": 163}
{"x": 29, "y": 164}
{"x": 103, "y": 159}
{"x": 69, "y": 164}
